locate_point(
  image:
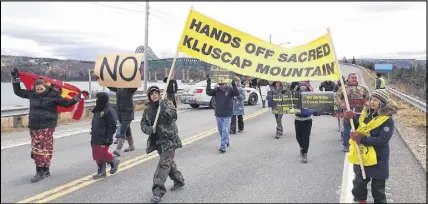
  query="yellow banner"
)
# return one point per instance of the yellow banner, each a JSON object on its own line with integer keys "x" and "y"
{"x": 221, "y": 45}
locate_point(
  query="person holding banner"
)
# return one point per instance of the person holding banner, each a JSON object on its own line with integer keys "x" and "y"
{"x": 42, "y": 120}
{"x": 164, "y": 139}
{"x": 276, "y": 89}
{"x": 374, "y": 129}
{"x": 238, "y": 108}
{"x": 223, "y": 96}
{"x": 263, "y": 86}
{"x": 125, "y": 112}
{"x": 357, "y": 95}
{"x": 303, "y": 125}
{"x": 327, "y": 86}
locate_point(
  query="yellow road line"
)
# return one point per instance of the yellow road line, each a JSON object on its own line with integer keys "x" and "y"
{"x": 75, "y": 185}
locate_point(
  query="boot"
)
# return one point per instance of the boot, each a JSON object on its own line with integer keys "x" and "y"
{"x": 176, "y": 186}
{"x": 114, "y": 165}
{"x": 304, "y": 158}
{"x": 46, "y": 171}
{"x": 119, "y": 146}
{"x": 131, "y": 146}
{"x": 101, "y": 171}
{"x": 39, "y": 175}
{"x": 278, "y": 133}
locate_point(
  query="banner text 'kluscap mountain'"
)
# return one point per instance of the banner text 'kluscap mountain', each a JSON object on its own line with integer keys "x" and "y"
{"x": 221, "y": 45}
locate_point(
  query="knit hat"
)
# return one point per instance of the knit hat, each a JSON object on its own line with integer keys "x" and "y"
{"x": 39, "y": 81}
{"x": 102, "y": 98}
{"x": 382, "y": 95}
{"x": 151, "y": 90}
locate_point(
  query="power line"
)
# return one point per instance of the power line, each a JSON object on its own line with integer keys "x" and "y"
{"x": 140, "y": 12}
{"x": 155, "y": 9}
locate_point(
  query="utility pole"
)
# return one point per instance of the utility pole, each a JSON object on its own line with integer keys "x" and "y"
{"x": 146, "y": 45}
{"x": 270, "y": 38}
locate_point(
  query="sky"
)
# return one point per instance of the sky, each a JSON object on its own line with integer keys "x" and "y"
{"x": 81, "y": 30}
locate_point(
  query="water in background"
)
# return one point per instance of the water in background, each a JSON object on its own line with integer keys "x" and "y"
{"x": 9, "y": 99}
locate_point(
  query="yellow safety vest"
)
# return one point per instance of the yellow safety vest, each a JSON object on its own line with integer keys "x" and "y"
{"x": 368, "y": 153}
{"x": 382, "y": 83}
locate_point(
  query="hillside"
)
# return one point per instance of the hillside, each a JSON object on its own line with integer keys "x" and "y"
{"x": 68, "y": 70}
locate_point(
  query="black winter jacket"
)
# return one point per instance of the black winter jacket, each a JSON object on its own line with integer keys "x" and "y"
{"x": 104, "y": 126}
{"x": 43, "y": 113}
{"x": 124, "y": 103}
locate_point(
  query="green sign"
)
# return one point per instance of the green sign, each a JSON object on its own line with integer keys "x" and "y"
{"x": 285, "y": 103}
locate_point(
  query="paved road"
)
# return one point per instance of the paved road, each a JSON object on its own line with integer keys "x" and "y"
{"x": 256, "y": 168}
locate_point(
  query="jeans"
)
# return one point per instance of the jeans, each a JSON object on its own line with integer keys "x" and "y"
{"x": 347, "y": 131}
{"x": 125, "y": 129}
{"x": 223, "y": 125}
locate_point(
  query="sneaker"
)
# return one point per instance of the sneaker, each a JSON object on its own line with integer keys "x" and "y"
{"x": 156, "y": 199}
{"x": 240, "y": 130}
{"x": 222, "y": 150}
{"x": 345, "y": 149}
{"x": 304, "y": 158}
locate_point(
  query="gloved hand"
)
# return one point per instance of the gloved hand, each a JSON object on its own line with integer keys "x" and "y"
{"x": 163, "y": 102}
{"x": 356, "y": 136}
{"x": 85, "y": 93}
{"x": 152, "y": 130}
{"x": 14, "y": 73}
{"x": 348, "y": 115}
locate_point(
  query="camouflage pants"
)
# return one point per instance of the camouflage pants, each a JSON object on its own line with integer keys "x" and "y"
{"x": 278, "y": 118}
{"x": 166, "y": 167}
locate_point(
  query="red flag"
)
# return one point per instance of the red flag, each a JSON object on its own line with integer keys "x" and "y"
{"x": 67, "y": 91}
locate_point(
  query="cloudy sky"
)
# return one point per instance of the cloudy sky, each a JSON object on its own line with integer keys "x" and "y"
{"x": 81, "y": 30}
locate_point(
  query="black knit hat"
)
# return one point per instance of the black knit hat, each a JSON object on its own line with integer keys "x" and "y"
{"x": 102, "y": 98}
{"x": 151, "y": 89}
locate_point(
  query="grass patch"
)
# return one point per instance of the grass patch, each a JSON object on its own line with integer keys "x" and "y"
{"x": 409, "y": 115}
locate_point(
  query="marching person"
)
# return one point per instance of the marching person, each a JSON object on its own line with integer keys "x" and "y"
{"x": 125, "y": 112}
{"x": 102, "y": 131}
{"x": 42, "y": 120}
{"x": 276, "y": 89}
{"x": 263, "y": 86}
{"x": 223, "y": 96}
{"x": 354, "y": 92}
{"x": 303, "y": 125}
{"x": 327, "y": 86}
{"x": 171, "y": 90}
{"x": 375, "y": 128}
{"x": 238, "y": 108}
{"x": 164, "y": 139}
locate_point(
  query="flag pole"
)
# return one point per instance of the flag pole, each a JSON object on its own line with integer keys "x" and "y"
{"x": 171, "y": 70}
{"x": 345, "y": 95}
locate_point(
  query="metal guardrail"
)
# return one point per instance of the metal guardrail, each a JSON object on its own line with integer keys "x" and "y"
{"x": 20, "y": 111}
{"x": 413, "y": 101}
{"x": 409, "y": 99}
